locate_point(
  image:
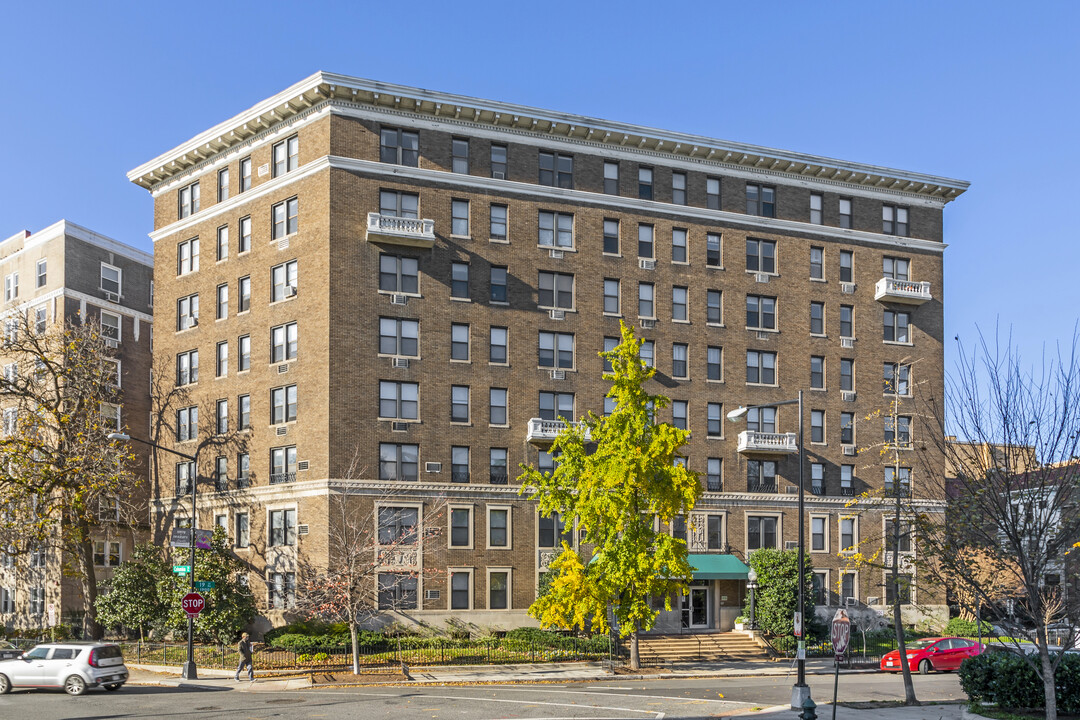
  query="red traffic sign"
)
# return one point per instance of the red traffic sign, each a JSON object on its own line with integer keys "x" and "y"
{"x": 841, "y": 633}
{"x": 193, "y": 604}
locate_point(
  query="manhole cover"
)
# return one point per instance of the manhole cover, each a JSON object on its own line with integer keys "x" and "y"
{"x": 281, "y": 701}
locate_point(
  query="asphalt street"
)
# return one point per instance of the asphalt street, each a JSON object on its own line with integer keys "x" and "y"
{"x": 653, "y": 699}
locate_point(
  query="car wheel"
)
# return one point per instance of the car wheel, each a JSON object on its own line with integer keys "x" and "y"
{"x": 5, "y": 685}
{"x": 113, "y": 686}
{"x": 74, "y": 686}
{"x": 924, "y": 667}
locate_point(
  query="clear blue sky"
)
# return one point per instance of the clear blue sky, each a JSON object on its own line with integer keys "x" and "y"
{"x": 981, "y": 91}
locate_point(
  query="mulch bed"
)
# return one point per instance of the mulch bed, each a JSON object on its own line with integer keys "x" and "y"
{"x": 345, "y": 677}
{"x": 642, "y": 671}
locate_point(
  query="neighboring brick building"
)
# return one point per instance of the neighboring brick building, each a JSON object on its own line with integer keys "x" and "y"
{"x": 65, "y": 273}
{"x": 422, "y": 278}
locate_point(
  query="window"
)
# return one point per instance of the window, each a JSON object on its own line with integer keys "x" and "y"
{"x": 498, "y": 162}
{"x": 188, "y": 197}
{"x": 845, "y": 213}
{"x": 645, "y": 248}
{"x": 497, "y": 352}
{"x": 399, "y": 400}
{"x": 817, "y": 372}
{"x": 715, "y": 363}
{"x": 459, "y": 403}
{"x": 243, "y": 286}
{"x": 222, "y": 521}
{"x": 679, "y": 312}
{"x": 245, "y": 174}
{"x": 222, "y": 420}
{"x": 712, "y": 250}
{"x": 498, "y": 527}
{"x": 397, "y": 591}
{"x": 110, "y": 279}
{"x": 648, "y": 353}
{"x": 820, "y": 584}
{"x": 497, "y": 406}
{"x": 243, "y": 353}
{"x": 282, "y": 404}
{"x": 187, "y": 423}
{"x": 285, "y": 218}
{"x": 712, "y": 193}
{"x": 221, "y": 484}
{"x": 242, "y": 530}
{"x": 760, "y": 312}
{"x": 497, "y": 229}
{"x": 554, "y": 406}
{"x": 187, "y": 312}
{"x": 761, "y": 477}
{"x": 760, "y": 200}
{"x": 459, "y": 464}
{"x": 399, "y": 147}
{"x": 221, "y": 368}
{"x": 399, "y": 204}
{"x": 817, "y": 426}
{"x": 817, "y": 263}
{"x": 222, "y": 301}
{"x": 556, "y": 229}
{"x": 243, "y": 420}
{"x": 110, "y": 371}
{"x": 714, "y": 477}
{"x": 11, "y": 287}
{"x": 553, "y": 531}
{"x": 678, "y": 245}
{"x": 847, "y": 374}
{"x": 37, "y": 607}
{"x": 610, "y": 343}
{"x": 459, "y": 342}
{"x": 816, "y": 203}
{"x": 761, "y": 420}
{"x": 817, "y": 478}
{"x": 223, "y": 243}
{"x": 282, "y": 587}
{"x": 896, "y": 268}
{"x": 396, "y": 274}
{"x": 611, "y": 296}
{"x": 286, "y": 155}
{"x": 398, "y": 336}
{"x": 187, "y": 368}
{"x": 459, "y": 155}
{"x": 847, "y": 475}
{"x": 556, "y": 350}
{"x": 459, "y": 218}
{"x": 760, "y": 532}
{"x": 497, "y": 467}
{"x": 894, "y": 220}
{"x": 556, "y": 170}
{"x": 611, "y": 178}
{"x": 460, "y": 527}
{"x": 817, "y": 318}
{"x": 679, "y": 363}
{"x": 678, "y": 527}
{"x": 609, "y": 406}
{"x": 761, "y": 256}
{"x": 760, "y": 367}
{"x": 399, "y": 462}
{"x": 644, "y": 183}
{"x": 896, "y": 326}
{"x": 223, "y": 185}
{"x": 902, "y": 588}
{"x": 896, "y": 379}
{"x": 678, "y": 414}
{"x": 678, "y": 188}
{"x": 716, "y": 420}
{"x": 898, "y": 480}
{"x": 646, "y": 305}
{"x": 498, "y": 590}
{"x": 110, "y": 415}
{"x": 459, "y": 280}
{"x": 847, "y": 313}
{"x": 900, "y": 433}
{"x": 187, "y": 256}
{"x": 847, "y": 534}
{"x": 497, "y": 284}
{"x": 7, "y": 600}
{"x": 282, "y": 527}
{"x": 890, "y": 536}
{"x": 847, "y": 428}
{"x": 556, "y": 290}
{"x": 611, "y": 237}
{"x": 818, "y": 530}
{"x": 42, "y": 272}
{"x": 847, "y": 259}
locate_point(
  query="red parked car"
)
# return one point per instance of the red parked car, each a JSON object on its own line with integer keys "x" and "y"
{"x": 933, "y": 654}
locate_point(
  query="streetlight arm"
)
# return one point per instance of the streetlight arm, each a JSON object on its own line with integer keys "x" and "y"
{"x": 737, "y": 414}
{"x": 127, "y": 438}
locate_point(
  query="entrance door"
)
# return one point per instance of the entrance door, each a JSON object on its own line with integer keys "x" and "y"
{"x": 695, "y": 605}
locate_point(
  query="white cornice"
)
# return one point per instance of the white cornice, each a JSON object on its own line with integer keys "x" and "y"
{"x": 67, "y": 228}
{"x": 82, "y": 297}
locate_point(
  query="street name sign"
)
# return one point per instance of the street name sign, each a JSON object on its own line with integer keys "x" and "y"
{"x": 204, "y": 585}
{"x": 193, "y": 604}
{"x": 181, "y": 569}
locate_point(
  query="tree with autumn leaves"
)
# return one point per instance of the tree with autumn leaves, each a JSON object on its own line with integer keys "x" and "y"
{"x": 616, "y": 475}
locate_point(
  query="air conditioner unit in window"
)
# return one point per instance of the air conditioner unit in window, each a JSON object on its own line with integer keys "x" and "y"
{"x": 847, "y": 395}
{"x": 647, "y": 324}
{"x": 302, "y": 529}
{"x": 112, "y": 297}
{"x": 557, "y": 254}
{"x": 282, "y": 369}
{"x": 791, "y": 544}
{"x": 761, "y": 277}
{"x": 847, "y": 342}
{"x": 283, "y": 430}
{"x": 762, "y": 335}
{"x": 873, "y": 600}
{"x": 290, "y": 291}
{"x": 847, "y": 288}
{"x": 399, "y": 426}
{"x": 400, "y": 362}
{"x": 194, "y": 321}
{"x": 302, "y": 465}
{"x": 850, "y": 602}
{"x": 558, "y": 374}
{"x": 792, "y": 489}
{"x": 498, "y": 175}
{"x": 398, "y": 299}
{"x": 557, "y": 314}
{"x": 432, "y": 594}
{"x": 848, "y": 449}
{"x": 110, "y": 343}
{"x": 646, "y": 264}
{"x": 433, "y": 467}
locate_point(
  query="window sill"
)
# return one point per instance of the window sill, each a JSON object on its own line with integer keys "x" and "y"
{"x": 556, "y": 247}
{"x": 820, "y": 390}
{"x": 751, "y": 384}
{"x": 759, "y": 272}
{"x": 681, "y": 262}
{"x": 499, "y": 241}
{"x": 611, "y": 255}
{"x": 613, "y": 315}
{"x": 548, "y": 368}
{"x": 717, "y": 382}
{"x": 764, "y": 330}
{"x": 896, "y": 342}
{"x": 277, "y": 302}
{"x": 387, "y": 293}
{"x": 714, "y": 267}
{"x": 411, "y": 421}
{"x": 498, "y": 364}
{"x": 715, "y": 437}
{"x": 460, "y": 361}
{"x": 460, "y": 423}
{"x": 546, "y": 308}
{"x": 288, "y": 236}
{"x": 502, "y": 303}
{"x": 715, "y": 325}
{"x": 410, "y": 358}
{"x": 680, "y": 322}
{"x": 460, "y": 299}
{"x": 503, "y": 427}
{"x": 460, "y": 237}
{"x": 818, "y": 280}
{"x": 245, "y": 312}
{"x": 822, "y": 336}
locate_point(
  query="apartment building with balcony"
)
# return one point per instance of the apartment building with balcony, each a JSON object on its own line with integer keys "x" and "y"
{"x": 67, "y": 273}
{"x": 403, "y": 291}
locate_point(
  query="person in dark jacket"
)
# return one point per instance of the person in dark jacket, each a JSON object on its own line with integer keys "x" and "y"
{"x": 245, "y": 649}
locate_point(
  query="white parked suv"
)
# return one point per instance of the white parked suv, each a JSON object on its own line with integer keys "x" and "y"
{"x": 73, "y": 666}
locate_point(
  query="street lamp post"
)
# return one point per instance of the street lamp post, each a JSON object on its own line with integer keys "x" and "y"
{"x": 800, "y": 691}
{"x": 189, "y": 671}
{"x": 751, "y": 585}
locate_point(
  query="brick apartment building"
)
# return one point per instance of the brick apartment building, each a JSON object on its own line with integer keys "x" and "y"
{"x": 422, "y": 281}
{"x": 65, "y": 273}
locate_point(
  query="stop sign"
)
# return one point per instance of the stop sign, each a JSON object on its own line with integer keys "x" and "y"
{"x": 841, "y": 633}
{"x": 193, "y": 604}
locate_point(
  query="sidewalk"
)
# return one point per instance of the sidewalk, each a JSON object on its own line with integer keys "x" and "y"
{"x": 950, "y": 711}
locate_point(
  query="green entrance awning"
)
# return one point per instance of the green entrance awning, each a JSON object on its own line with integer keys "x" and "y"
{"x": 718, "y": 567}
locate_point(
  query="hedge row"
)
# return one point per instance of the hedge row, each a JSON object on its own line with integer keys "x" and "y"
{"x": 1010, "y": 681}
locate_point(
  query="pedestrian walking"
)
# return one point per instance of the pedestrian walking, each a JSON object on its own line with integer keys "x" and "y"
{"x": 245, "y": 649}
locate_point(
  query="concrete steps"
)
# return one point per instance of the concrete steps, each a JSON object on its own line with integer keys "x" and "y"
{"x": 701, "y": 647}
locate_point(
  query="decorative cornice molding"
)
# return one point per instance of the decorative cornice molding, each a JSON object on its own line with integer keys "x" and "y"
{"x": 66, "y": 228}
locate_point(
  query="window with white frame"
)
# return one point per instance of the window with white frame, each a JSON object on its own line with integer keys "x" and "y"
{"x": 244, "y": 244}
{"x": 459, "y": 218}
{"x": 222, "y": 301}
{"x": 282, "y": 589}
{"x": 497, "y": 406}
{"x": 37, "y": 601}
{"x": 222, "y": 360}
{"x": 760, "y": 367}
{"x": 647, "y": 353}
{"x": 245, "y": 174}
{"x": 680, "y": 304}
{"x": 847, "y": 258}
{"x": 819, "y": 533}
{"x": 399, "y": 462}
{"x": 678, "y": 246}
{"x": 285, "y": 218}
{"x": 188, "y": 198}
{"x": 555, "y": 405}
{"x": 459, "y": 342}
{"x": 611, "y": 296}
{"x": 283, "y": 343}
{"x": 242, "y": 537}
{"x": 497, "y": 230}
{"x": 817, "y": 426}
{"x": 222, "y": 415}
{"x": 646, "y": 246}
{"x": 397, "y": 274}
{"x": 896, "y": 268}
{"x": 556, "y": 229}
{"x": 283, "y": 281}
{"x": 7, "y": 600}
{"x": 497, "y": 345}
{"x": 110, "y": 326}
{"x": 760, "y": 532}
{"x": 817, "y": 372}
{"x": 223, "y": 185}
{"x": 556, "y": 350}
{"x": 243, "y": 290}
{"x": 399, "y": 400}
{"x": 187, "y": 423}
{"x": 223, "y": 243}
{"x": 187, "y": 368}
{"x": 282, "y": 464}
{"x": 460, "y": 590}
{"x": 398, "y": 336}
{"x": 187, "y": 256}
{"x": 817, "y": 318}
{"x": 897, "y": 327}
{"x": 243, "y": 416}
{"x": 680, "y": 361}
{"x": 714, "y": 308}
{"x": 282, "y": 404}
{"x": 646, "y": 300}
{"x": 555, "y": 290}
{"x": 715, "y": 363}
{"x": 187, "y": 312}
{"x": 399, "y": 147}
{"x": 286, "y": 155}
{"x": 42, "y": 272}
{"x": 243, "y": 353}
{"x": 399, "y": 204}
{"x": 110, "y": 280}
{"x": 761, "y": 256}
{"x": 679, "y": 412}
{"x": 110, "y": 415}
{"x": 459, "y": 403}
{"x": 106, "y": 553}
{"x": 760, "y": 312}
{"x": 282, "y": 527}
